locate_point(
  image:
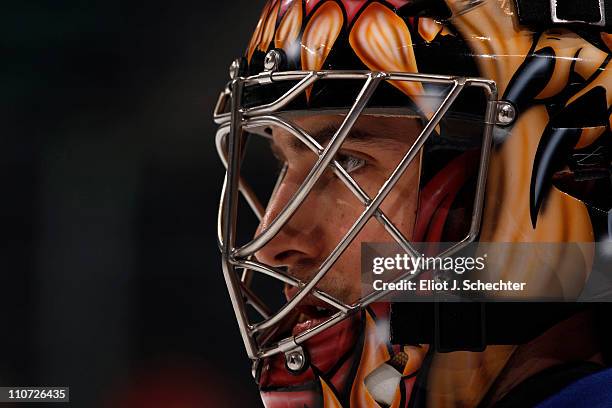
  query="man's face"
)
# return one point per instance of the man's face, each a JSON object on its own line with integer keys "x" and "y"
{"x": 371, "y": 152}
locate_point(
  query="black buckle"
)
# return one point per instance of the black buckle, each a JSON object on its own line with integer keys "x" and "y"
{"x": 459, "y": 326}
{"x": 471, "y": 326}
{"x": 557, "y": 15}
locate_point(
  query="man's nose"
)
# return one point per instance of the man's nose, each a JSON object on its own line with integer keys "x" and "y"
{"x": 297, "y": 241}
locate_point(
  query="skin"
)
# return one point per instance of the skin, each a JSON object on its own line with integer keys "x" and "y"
{"x": 370, "y": 154}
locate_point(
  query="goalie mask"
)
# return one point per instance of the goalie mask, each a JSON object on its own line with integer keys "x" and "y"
{"x": 430, "y": 125}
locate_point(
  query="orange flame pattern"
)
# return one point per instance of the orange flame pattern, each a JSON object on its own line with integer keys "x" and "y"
{"x": 383, "y": 42}
{"x": 264, "y": 31}
{"x": 379, "y": 37}
{"x": 320, "y": 35}
{"x": 289, "y": 27}
{"x": 374, "y": 353}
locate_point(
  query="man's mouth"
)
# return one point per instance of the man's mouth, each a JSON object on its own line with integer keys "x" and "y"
{"x": 311, "y": 316}
{"x": 310, "y": 311}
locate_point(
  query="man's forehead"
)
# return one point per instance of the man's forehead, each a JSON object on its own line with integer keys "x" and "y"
{"x": 382, "y": 128}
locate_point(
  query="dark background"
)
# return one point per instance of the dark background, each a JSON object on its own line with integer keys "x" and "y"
{"x": 110, "y": 279}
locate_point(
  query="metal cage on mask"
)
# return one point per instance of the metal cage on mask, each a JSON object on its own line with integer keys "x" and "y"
{"x": 234, "y": 119}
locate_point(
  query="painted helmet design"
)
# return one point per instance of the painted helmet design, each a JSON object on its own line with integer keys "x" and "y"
{"x": 505, "y": 119}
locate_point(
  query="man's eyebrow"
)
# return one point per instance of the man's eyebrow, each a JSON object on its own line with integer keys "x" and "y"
{"x": 359, "y": 136}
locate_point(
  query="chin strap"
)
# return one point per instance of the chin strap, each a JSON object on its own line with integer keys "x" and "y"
{"x": 472, "y": 326}
{"x": 542, "y": 14}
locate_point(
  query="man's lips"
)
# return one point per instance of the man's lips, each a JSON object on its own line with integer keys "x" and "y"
{"x": 301, "y": 327}
{"x": 312, "y": 311}
{"x": 310, "y": 316}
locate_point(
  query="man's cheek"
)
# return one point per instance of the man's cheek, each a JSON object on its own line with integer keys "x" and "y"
{"x": 400, "y": 207}
{"x": 342, "y": 286}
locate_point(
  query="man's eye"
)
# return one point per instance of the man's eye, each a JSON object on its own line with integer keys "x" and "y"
{"x": 350, "y": 163}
